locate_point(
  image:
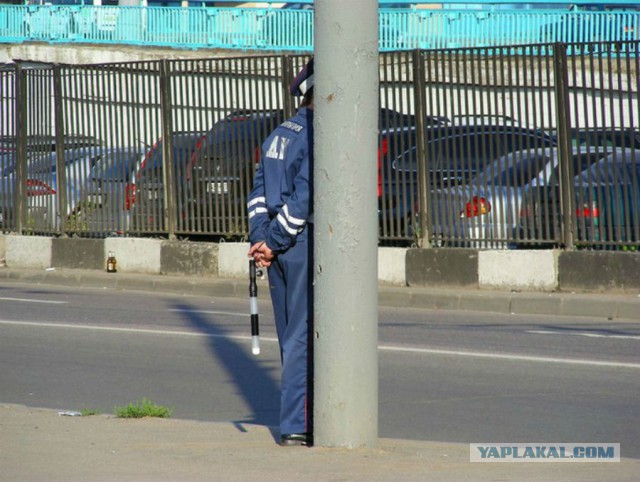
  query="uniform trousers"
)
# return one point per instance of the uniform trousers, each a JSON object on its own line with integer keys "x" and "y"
{"x": 291, "y": 289}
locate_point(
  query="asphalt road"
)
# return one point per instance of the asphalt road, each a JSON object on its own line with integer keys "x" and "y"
{"x": 444, "y": 376}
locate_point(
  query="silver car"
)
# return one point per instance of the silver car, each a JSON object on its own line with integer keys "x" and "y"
{"x": 485, "y": 212}
{"x": 84, "y": 194}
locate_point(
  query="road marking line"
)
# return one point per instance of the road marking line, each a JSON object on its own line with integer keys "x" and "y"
{"x": 389, "y": 348}
{"x": 25, "y": 300}
{"x": 117, "y": 329}
{"x": 589, "y": 335}
{"x": 497, "y": 356}
{"x": 228, "y": 313}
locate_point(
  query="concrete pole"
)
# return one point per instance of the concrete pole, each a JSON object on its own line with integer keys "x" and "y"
{"x": 346, "y": 224}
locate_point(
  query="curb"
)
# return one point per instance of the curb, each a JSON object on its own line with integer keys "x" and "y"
{"x": 592, "y": 305}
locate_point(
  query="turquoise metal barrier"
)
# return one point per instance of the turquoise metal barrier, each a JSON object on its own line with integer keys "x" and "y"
{"x": 288, "y": 29}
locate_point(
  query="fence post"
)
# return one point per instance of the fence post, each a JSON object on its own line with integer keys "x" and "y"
{"x": 288, "y": 73}
{"x": 20, "y": 193}
{"x": 424, "y": 201}
{"x": 168, "y": 180}
{"x": 61, "y": 173}
{"x": 563, "y": 120}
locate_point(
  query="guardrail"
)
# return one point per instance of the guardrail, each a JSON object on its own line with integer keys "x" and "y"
{"x": 490, "y": 148}
{"x": 289, "y": 29}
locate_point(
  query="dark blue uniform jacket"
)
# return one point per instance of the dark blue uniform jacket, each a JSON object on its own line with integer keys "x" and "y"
{"x": 280, "y": 203}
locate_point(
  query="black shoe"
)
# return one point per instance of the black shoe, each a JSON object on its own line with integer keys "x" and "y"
{"x": 294, "y": 439}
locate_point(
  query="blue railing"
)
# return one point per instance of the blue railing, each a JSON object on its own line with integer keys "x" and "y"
{"x": 284, "y": 29}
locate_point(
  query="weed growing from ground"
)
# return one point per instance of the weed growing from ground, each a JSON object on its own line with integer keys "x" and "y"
{"x": 144, "y": 408}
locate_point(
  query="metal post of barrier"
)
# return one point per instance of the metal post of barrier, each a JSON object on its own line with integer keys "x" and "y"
{"x": 167, "y": 151}
{"x": 424, "y": 188}
{"x": 563, "y": 120}
{"x": 61, "y": 174}
{"x": 288, "y": 74}
{"x": 20, "y": 192}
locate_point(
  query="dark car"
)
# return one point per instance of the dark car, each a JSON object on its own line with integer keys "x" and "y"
{"x": 454, "y": 154}
{"x": 221, "y": 169}
{"x": 145, "y": 193}
{"x": 606, "y": 205}
{"x": 606, "y": 138}
{"x": 7, "y": 187}
{"x": 223, "y": 166}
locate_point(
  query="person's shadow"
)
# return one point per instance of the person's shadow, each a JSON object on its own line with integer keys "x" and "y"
{"x": 254, "y": 382}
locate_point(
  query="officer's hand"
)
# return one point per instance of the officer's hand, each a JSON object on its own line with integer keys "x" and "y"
{"x": 255, "y": 248}
{"x": 262, "y": 254}
{"x": 266, "y": 257}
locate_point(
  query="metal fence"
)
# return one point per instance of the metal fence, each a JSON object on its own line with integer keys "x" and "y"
{"x": 533, "y": 151}
{"x": 492, "y": 148}
{"x": 292, "y": 29}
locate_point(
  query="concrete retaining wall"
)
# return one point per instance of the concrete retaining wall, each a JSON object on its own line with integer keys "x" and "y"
{"x": 524, "y": 270}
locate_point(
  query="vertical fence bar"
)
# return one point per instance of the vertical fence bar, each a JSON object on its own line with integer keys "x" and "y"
{"x": 20, "y": 192}
{"x": 564, "y": 143}
{"x": 182, "y": 97}
{"x": 550, "y": 80}
{"x": 61, "y": 198}
{"x": 424, "y": 188}
{"x": 167, "y": 150}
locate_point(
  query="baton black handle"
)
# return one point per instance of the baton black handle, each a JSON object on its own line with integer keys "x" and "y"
{"x": 253, "y": 306}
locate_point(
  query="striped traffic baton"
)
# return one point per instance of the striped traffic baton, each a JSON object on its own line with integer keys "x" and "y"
{"x": 253, "y": 305}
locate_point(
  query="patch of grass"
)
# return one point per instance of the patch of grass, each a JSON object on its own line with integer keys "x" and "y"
{"x": 87, "y": 412}
{"x": 144, "y": 408}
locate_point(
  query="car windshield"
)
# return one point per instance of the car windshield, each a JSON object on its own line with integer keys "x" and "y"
{"x": 47, "y": 163}
{"x": 613, "y": 170}
{"x": 515, "y": 170}
{"x": 114, "y": 166}
{"x": 606, "y": 138}
{"x": 183, "y": 146}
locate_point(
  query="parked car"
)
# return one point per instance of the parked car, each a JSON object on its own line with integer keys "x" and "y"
{"x": 7, "y": 187}
{"x": 42, "y": 189}
{"x": 485, "y": 212}
{"x": 145, "y": 192}
{"x": 605, "y": 137}
{"x": 454, "y": 154}
{"x": 106, "y": 190}
{"x": 606, "y": 202}
{"x": 37, "y": 144}
{"x": 223, "y": 166}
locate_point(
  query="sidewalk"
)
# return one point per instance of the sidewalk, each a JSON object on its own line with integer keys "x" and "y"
{"x": 596, "y": 305}
{"x": 41, "y": 445}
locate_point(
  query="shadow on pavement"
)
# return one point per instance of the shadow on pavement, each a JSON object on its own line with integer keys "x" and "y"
{"x": 253, "y": 380}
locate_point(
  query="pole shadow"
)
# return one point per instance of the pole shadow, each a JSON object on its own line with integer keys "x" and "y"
{"x": 254, "y": 383}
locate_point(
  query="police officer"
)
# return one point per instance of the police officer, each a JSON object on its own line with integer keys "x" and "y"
{"x": 280, "y": 209}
